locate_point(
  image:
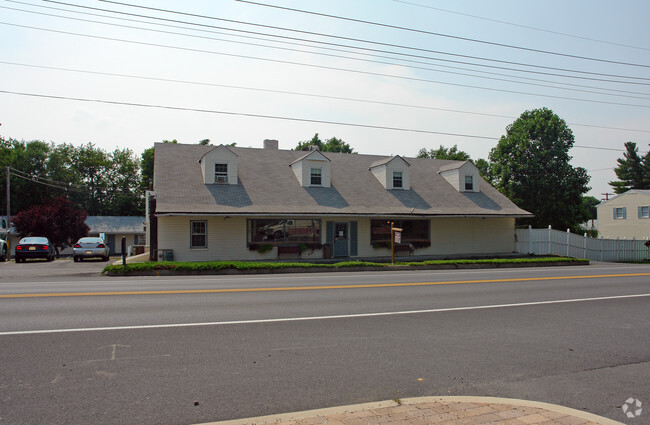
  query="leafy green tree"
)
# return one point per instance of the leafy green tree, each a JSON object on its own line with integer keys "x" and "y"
{"x": 444, "y": 153}
{"x": 146, "y": 168}
{"x": 330, "y": 145}
{"x": 531, "y": 166}
{"x": 124, "y": 193}
{"x": 484, "y": 169}
{"x": 633, "y": 171}
{"x": 62, "y": 222}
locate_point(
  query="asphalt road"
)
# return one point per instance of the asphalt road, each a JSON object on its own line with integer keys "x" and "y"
{"x": 78, "y": 349}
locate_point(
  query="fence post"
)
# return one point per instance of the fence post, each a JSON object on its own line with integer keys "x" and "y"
{"x": 568, "y": 233}
{"x": 584, "y": 246}
{"x": 601, "y": 249}
{"x": 549, "y": 239}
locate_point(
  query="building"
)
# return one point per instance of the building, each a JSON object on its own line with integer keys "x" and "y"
{"x": 231, "y": 203}
{"x": 625, "y": 216}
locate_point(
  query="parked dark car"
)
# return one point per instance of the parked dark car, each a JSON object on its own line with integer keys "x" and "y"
{"x": 34, "y": 247}
{"x": 90, "y": 247}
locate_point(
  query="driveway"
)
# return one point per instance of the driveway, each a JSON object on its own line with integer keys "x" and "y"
{"x": 63, "y": 268}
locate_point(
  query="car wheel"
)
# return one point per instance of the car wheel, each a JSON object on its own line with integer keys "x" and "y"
{"x": 17, "y": 260}
{"x": 4, "y": 254}
{"x": 50, "y": 258}
{"x": 105, "y": 258}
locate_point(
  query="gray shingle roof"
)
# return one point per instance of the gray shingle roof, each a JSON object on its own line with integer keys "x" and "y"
{"x": 267, "y": 186}
{"x": 115, "y": 224}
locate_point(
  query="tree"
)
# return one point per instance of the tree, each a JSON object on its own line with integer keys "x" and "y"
{"x": 60, "y": 221}
{"x": 444, "y": 153}
{"x": 330, "y": 145}
{"x": 146, "y": 168}
{"x": 530, "y": 165}
{"x": 632, "y": 170}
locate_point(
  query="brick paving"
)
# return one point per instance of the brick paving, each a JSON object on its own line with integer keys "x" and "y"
{"x": 436, "y": 411}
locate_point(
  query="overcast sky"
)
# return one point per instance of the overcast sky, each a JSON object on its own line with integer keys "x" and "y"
{"x": 433, "y": 73}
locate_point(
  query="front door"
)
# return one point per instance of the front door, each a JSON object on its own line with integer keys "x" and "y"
{"x": 341, "y": 240}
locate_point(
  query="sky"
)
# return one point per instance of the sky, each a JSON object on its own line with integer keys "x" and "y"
{"x": 389, "y": 77}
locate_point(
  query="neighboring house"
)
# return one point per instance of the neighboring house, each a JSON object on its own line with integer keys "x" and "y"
{"x": 626, "y": 215}
{"x": 112, "y": 228}
{"x": 231, "y": 203}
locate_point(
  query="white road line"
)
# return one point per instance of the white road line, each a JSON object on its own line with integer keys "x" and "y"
{"x": 302, "y": 319}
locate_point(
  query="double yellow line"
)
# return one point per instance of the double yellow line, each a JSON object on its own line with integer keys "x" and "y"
{"x": 308, "y": 288}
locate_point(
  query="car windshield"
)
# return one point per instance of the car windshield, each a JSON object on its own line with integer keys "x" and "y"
{"x": 91, "y": 240}
{"x": 34, "y": 240}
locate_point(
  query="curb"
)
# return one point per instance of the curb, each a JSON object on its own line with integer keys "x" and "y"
{"x": 468, "y": 266}
{"x": 271, "y": 419}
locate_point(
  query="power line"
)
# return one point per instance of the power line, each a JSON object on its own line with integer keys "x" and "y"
{"x": 357, "y": 48}
{"x": 636, "y": 95}
{"x": 315, "y": 95}
{"x": 357, "y": 40}
{"x": 424, "y": 80}
{"x": 244, "y": 114}
{"x": 275, "y": 117}
{"x": 522, "y": 26}
{"x": 473, "y": 40}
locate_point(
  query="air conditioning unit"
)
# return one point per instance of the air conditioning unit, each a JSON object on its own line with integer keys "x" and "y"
{"x": 221, "y": 179}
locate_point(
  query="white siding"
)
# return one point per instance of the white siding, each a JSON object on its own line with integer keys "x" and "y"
{"x": 454, "y": 236}
{"x": 226, "y": 238}
{"x": 630, "y": 227}
{"x": 221, "y": 155}
{"x": 380, "y": 174}
{"x": 456, "y": 177}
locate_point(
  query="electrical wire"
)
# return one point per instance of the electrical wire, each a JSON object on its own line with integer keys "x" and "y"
{"x": 635, "y": 95}
{"x": 473, "y": 40}
{"x": 274, "y": 117}
{"x": 582, "y": 72}
{"x": 595, "y": 40}
{"x": 315, "y": 95}
{"x": 354, "y": 47}
{"x": 424, "y": 80}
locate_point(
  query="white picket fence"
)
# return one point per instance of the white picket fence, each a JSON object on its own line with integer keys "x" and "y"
{"x": 555, "y": 242}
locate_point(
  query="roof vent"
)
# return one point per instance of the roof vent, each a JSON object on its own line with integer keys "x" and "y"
{"x": 310, "y": 148}
{"x": 271, "y": 144}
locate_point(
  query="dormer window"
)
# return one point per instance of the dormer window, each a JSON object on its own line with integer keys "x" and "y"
{"x": 469, "y": 183}
{"x": 392, "y": 173}
{"x": 397, "y": 180}
{"x": 316, "y": 176}
{"x": 219, "y": 166}
{"x": 221, "y": 173}
{"x": 313, "y": 170}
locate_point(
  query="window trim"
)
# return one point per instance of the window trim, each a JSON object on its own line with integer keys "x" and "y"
{"x": 205, "y": 234}
{"x": 398, "y": 176}
{"x": 221, "y": 174}
{"x": 645, "y": 216}
{"x": 623, "y": 210}
{"x": 312, "y": 176}
{"x": 469, "y": 186}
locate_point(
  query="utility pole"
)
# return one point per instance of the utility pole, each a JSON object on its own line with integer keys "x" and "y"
{"x": 8, "y": 208}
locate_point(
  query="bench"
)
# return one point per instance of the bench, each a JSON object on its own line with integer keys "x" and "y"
{"x": 404, "y": 249}
{"x": 293, "y": 250}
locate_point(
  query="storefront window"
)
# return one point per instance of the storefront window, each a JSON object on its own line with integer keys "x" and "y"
{"x": 414, "y": 232}
{"x": 283, "y": 231}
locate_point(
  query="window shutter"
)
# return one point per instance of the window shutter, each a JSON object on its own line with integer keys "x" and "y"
{"x": 640, "y": 211}
{"x": 624, "y": 213}
{"x": 614, "y": 209}
{"x": 329, "y": 232}
{"x": 354, "y": 243}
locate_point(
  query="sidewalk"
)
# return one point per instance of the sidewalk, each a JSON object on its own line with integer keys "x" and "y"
{"x": 437, "y": 411}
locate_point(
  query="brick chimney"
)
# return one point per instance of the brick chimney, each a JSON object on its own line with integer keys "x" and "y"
{"x": 271, "y": 144}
